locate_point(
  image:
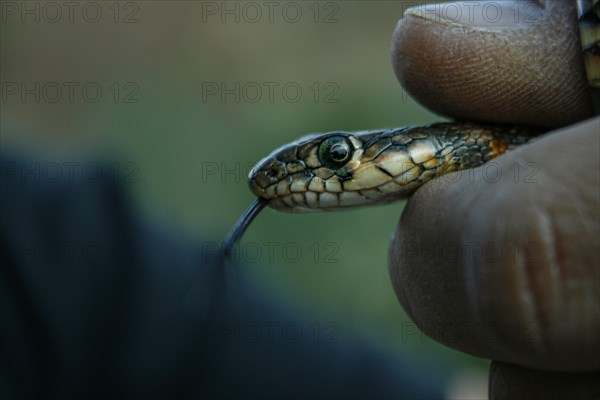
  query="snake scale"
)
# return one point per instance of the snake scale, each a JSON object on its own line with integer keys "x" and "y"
{"x": 338, "y": 170}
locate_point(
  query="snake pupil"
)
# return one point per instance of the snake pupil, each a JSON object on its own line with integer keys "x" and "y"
{"x": 335, "y": 151}
{"x": 338, "y": 152}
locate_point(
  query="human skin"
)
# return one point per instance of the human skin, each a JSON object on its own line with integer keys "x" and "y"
{"x": 503, "y": 262}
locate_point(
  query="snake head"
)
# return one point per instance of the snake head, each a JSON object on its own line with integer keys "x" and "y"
{"x": 333, "y": 170}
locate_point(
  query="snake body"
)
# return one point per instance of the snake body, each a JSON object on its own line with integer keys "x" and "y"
{"x": 589, "y": 29}
{"x": 345, "y": 169}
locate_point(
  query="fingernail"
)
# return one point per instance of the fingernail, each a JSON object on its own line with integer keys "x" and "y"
{"x": 484, "y": 14}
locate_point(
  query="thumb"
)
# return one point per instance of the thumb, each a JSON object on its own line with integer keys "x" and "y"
{"x": 497, "y": 61}
{"x": 504, "y": 263}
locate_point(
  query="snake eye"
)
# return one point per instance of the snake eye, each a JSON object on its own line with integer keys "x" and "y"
{"x": 335, "y": 151}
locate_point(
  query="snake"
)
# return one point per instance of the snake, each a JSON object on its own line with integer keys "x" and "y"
{"x": 341, "y": 170}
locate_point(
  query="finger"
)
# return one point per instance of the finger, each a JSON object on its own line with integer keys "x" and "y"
{"x": 513, "y": 382}
{"x": 509, "y": 61}
{"x": 503, "y": 261}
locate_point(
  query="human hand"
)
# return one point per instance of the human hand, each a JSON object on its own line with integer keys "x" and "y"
{"x": 503, "y": 262}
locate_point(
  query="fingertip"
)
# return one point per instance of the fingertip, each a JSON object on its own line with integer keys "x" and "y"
{"x": 495, "y": 73}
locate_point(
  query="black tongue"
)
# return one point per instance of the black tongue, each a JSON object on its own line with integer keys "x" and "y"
{"x": 200, "y": 297}
{"x": 235, "y": 235}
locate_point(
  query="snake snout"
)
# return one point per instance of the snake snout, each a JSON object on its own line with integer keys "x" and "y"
{"x": 264, "y": 174}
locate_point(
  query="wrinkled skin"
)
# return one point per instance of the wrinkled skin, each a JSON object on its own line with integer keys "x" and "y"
{"x": 509, "y": 259}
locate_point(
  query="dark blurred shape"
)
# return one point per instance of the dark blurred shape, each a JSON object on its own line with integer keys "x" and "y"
{"x": 91, "y": 307}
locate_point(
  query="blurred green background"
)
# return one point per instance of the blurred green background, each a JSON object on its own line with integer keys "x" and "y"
{"x": 164, "y": 59}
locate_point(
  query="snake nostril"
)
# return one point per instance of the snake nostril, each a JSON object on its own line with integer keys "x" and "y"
{"x": 277, "y": 170}
{"x": 263, "y": 179}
